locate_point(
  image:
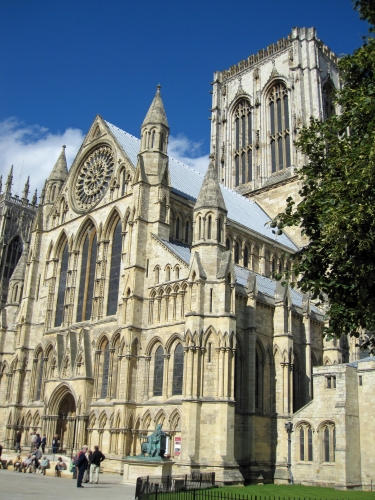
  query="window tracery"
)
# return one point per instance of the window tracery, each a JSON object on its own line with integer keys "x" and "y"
{"x": 328, "y": 105}
{"x": 279, "y": 127}
{"x": 305, "y": 443}
{"x": 158, "y": 371}
{"x": 87, "y": 278}
{"x": 243, "y": 158}
{"x": 178, "y": 370}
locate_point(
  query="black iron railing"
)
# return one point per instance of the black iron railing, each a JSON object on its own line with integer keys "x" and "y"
{"x": 167, "y": 484}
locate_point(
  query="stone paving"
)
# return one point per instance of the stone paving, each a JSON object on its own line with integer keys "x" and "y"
{"x": 16, "y": 486}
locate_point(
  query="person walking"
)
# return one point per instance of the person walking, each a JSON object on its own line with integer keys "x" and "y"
{"x": 82, "y": 465}
{"x": 43, "y": 443}
{"x": 38, "y": 440}
{"x": 96, "y": 459}
{"x": 17, "y": 442}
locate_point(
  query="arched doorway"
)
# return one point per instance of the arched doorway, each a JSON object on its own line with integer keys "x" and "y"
{"x": 66, "y": 422}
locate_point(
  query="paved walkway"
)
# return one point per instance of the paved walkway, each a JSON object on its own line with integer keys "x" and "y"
{"x": 16, "y": 486}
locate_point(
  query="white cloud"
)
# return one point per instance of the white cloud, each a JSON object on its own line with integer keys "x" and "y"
{"x": 33, "y": 150}
{"x": 183, "y": 149}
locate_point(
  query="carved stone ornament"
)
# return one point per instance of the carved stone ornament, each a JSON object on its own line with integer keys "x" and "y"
{"x": 93, "y": 178}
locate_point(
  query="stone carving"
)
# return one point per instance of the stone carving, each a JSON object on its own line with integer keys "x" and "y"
{"x": 155, "y": 444}
{"x": 94, "y": 177}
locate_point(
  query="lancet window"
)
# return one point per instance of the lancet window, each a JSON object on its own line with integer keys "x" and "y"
{"x": 328, "y": 106}
{"x": 243, "y": 157}
{"x": 87, "y": 278}
{"x": 158, "y": 371}
{"x": 114, "y": 275}
{"x": 105, "y": 373}
{"x": 178, "y": 370}
{"x": 279, "y": 127}
{"x": 62, "y": 285}
{"x": 39, "y": 376}
{"x": 12, "y": 256}
{"x": 329, "y": 442}
{"x": 305, "y": 443}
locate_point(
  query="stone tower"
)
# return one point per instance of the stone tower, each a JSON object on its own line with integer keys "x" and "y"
{"x": 16, "y": 219}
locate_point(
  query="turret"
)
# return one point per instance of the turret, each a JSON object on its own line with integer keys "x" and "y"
{"x": 56, "y": 178}
{"x": 210, "y": 212}
{"x": 155, "y": 129}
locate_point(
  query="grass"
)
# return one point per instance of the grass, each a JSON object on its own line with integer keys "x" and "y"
{"x": 297, "y": 491}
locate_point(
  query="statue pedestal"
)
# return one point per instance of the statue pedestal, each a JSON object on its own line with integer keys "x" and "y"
{"x": 138, "y": 466}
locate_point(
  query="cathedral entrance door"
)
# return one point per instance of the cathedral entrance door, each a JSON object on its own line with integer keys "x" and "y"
{"x": 66, "y": 423}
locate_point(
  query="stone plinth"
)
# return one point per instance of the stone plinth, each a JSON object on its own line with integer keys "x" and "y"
{"x": 137, "y": 466}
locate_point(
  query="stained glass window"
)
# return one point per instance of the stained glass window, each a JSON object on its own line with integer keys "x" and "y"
{"x": 82, "y": 281}
{"x": 105, "y": 355}
{"x": 245, "y": 257}
{"x": 326, "y": 444}
{"x": 158, "y": 371}
{"x": 114, "y": 276}
{"x": 87, "y": 279}
{"x": 178, "y": 370}
{"x": 62, "y": 286}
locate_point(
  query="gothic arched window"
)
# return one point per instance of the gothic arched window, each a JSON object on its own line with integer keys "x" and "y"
{"x": 309, "y": 445}
{"x": 236, "y": 252}
{"x": 243, "y": 158}
{"x": 158, "y": 371}
{"x": 114, "y": 275}
{"x": 328, "y": 106}
{"x": 13, "y": 255}
{"x": 178, "y": 228}
{"x": 178, "y": 370}
{"x": 105, "y": 372}
{"x": 62, "y": 285}
{"x": 302, "y": 444}
{"x": 87, "y": 279}
{"x": 209, "y": 227}
{"x": 326, "y": 439}
{"x": 187, "y": 232}
{"x": 124, "y": 183}
{"x": 279, "y": 127}
{"x": 258, "y": 379}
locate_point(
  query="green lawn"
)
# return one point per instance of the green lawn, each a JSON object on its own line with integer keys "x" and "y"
{"x": 296, "y": 491}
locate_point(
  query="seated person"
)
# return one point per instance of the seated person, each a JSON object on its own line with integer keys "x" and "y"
{"x": 18, "y": 464}
{"x": 27, "y": 463}
{"x": 43, "y": 465}
{"x": 36, "y": 456}
{"x": 59, "y": 467}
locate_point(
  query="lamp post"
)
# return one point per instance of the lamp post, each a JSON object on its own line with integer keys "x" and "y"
{"x": 289, "y": 430}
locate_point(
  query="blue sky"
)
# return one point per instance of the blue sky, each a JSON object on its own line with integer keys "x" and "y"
{"x": 64, "y": 62}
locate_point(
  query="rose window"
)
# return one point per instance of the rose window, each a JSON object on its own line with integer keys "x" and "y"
{"x": 93, "y": 178}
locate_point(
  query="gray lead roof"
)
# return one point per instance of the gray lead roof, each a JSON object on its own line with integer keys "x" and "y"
{"x": 187, "y": 182}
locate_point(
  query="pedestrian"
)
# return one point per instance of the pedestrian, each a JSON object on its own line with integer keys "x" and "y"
{"x": 43, "y": 443}
{"x": 17, "y": 442}
{"x": 32, "y": 440}
{"x": 96, "y": 458}
{"x": 38, "y": 440}
{"x": 59, "y": 467}
{"x": 81, "y": 465}
{"x": 55, "y": 444}
{"x": 86, "y": 475}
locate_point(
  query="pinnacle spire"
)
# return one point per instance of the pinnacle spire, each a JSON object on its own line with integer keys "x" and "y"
{"x": 60, "y": 170}
{"x": 35, "y": 198}
{"x": 156, "y": 113}
{"x": 210, "y": 195}
{"x": 26, "y": 189}
{"x": 9, "y": 182}
{"x": 1, "y": 183}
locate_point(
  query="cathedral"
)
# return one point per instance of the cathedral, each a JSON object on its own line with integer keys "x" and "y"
{"x": 139, "y": 292}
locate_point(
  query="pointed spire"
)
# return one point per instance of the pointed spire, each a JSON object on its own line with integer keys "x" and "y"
{"x": 35, "y": 198}
{"x": 43, "y": 193}
{"x": 60, "y": 170}
{"x": 1, "y": 183}
{"x": 210, "y": 195}
{"x": 26, "y": 189}
{"x": 9, "y": 182}
{"x": 156, "y": 113}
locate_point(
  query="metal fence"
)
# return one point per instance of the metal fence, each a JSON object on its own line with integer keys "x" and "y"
{"x": 156, "y": 485}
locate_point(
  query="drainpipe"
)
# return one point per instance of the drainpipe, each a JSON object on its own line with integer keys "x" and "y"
{"x": 289, "y": 430}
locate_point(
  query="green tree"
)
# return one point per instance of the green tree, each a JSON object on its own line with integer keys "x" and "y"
{"x": 337, "y": 207}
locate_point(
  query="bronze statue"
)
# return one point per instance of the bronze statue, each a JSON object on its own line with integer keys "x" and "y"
{"x": 155, "y": 444}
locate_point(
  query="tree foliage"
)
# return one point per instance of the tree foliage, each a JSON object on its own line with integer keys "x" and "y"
{"x": 337, "y": 207}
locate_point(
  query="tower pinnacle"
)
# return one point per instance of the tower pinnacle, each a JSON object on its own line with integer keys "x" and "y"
{"x": 9, "y": 182}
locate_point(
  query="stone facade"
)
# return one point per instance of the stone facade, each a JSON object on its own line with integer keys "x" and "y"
{"x": 148, "y": 299}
